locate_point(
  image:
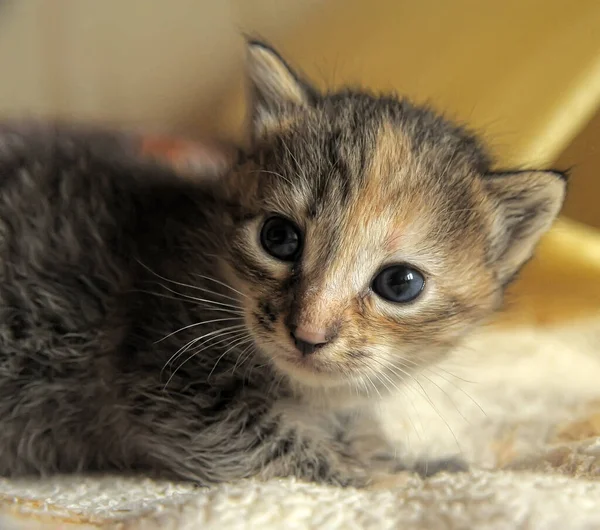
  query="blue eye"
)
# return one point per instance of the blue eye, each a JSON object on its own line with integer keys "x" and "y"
{"x": 399, "y": 284}
{"x": 281, "y": 239}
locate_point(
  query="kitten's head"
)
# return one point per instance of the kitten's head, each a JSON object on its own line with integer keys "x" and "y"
{"x": 370, "y": 233}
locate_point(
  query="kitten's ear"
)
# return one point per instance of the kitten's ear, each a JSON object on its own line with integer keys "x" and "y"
{"x": 526, "y": 204}
{"x": 275, "y": 88}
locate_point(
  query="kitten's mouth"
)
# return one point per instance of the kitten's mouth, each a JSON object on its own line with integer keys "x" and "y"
{"x": 313, "y": 370}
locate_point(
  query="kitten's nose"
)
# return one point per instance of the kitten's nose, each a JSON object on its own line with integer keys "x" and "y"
{"x": 308, "y": 340}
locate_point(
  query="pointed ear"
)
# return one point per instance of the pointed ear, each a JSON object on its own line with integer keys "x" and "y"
{"x": 526, "y": 204}
{"x": 275, "y": 88}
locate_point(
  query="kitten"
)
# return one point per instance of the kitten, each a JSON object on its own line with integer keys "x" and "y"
{"x": 224, "y": 329}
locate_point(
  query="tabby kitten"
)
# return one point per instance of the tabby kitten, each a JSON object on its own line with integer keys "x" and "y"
{"x": 223, "y": 329}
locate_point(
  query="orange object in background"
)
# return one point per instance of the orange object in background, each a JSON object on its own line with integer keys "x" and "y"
{"x": 205, "y": 158}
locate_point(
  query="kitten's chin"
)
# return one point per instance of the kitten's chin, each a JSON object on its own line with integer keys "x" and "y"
{"x": 310, "y": 371}
{"x": 328, "y": 390}
{"x": 306, "y": 373}
{"x": 322, "y": 382}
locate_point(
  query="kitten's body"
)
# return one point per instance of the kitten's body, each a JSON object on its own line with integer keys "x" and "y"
{"x": 107, "y": 271}
{"x": 97, "y": 264}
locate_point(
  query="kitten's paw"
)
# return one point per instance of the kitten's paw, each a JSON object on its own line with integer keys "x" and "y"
{"x": 429, "y": 468}
{"x": 358, "y": 481}
{"x": 387, "y": 462}
{"x": 350, "y": 474}
{"x": 335, "y": 470}
{"x": 387, "y": 481}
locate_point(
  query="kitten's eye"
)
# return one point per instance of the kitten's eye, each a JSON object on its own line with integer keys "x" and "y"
{"x": 399, "y": 283}
{"x": 281, "y": 238}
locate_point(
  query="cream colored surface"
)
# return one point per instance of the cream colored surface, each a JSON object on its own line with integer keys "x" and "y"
{"x": 528, "y": 74}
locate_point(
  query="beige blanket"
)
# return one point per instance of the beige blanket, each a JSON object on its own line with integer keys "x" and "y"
{"x": 523, "y": 406}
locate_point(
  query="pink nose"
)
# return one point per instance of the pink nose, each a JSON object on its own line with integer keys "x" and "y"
{"x": 307, "y": 340}
{"x": 312, "y": 335}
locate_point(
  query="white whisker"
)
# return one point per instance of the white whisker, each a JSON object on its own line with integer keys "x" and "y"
{"x": 196, "y": 352}
{"x": 426, "y": 395}
{"x": 206, "y": 290}
{"x": 197, "y": 324}
{"x": 243, "y": 357}
{"x": 216, "y": 333}
{"x": 452, "y": 402}
{"x": 374, "y": 386}
{"x": 238, "y": 314}
{"x": 239, "y": 342}
{"x": 182, "y": 284}
{"x": 204, "y": 300}
{"x": 298, "y": 166}
{"x": 404, "y": 392}
{"x": 240, "y": 330}
{"x": 272, "y": 173}
{"x": 420, "y": 367}
{"x": 460, "y": 389}
{"x": 220, "y": 283}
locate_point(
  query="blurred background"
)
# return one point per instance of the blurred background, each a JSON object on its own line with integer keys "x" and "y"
{"x": 524, "y": 72}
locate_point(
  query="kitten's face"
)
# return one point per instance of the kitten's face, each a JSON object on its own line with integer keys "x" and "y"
{"x": 369, "y": 238}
